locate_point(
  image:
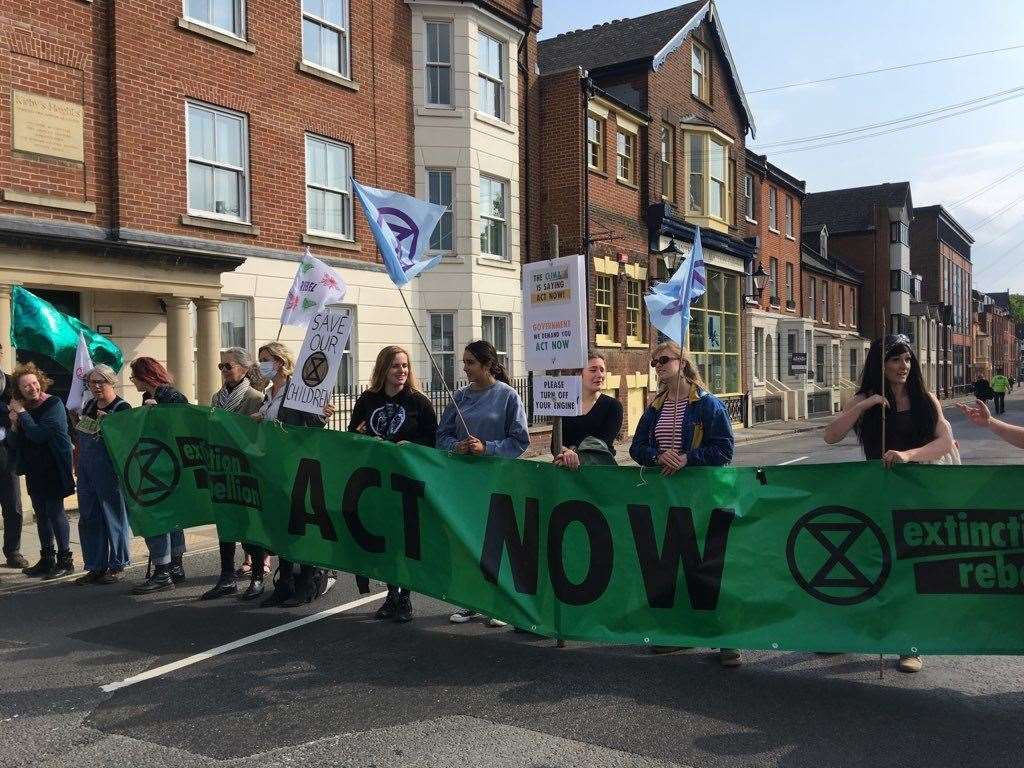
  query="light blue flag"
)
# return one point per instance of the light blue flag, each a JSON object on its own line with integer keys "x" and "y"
{"x": 668, "y": 303}
{"x": 402, "y": 226}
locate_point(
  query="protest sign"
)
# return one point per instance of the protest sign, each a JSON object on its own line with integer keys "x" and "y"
{"x": 847, "y": 557}
{"x": 557, "y": 395}
{"x": 554, "y": 319}
{"x": 317, "y": 367}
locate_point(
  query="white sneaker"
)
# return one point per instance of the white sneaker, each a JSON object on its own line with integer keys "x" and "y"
{"x": 495, "y": 623}
{"x": 461, "y": 617}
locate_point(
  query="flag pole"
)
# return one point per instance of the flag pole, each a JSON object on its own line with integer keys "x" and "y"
{"x": 884, "y": 395}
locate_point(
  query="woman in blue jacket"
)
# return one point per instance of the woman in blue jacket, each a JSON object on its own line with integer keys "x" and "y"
{"x": 684, "y": 426}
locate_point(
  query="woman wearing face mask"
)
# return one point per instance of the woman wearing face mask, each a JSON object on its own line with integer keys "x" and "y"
{"x": 238, "y": 394}
{"x": 39, "y": 432}
{"x": 102, "y": 519}
{"x": 307, "y": 584}
{"x": 684, "y": 426}
{"x": 600, "y": 419}
{"x": 490, "y": 420}
{"x": 167, "y": 549}
{"x": 394, "y": 409}
{"x": 915, "y": 429}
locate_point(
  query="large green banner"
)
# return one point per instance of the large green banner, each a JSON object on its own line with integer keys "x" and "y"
{"x": 842, "y": 557}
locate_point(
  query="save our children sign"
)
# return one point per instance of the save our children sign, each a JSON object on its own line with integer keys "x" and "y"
{"x": 554, "y": 323}
{"x": 317, "y": 367}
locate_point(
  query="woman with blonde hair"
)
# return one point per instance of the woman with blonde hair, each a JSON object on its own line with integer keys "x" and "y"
{"x": 684, "y": 426}
{"x": 394, "y": 409}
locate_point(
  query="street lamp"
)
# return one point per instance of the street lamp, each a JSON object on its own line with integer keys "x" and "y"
{"x": 671, "y": 256}
{"x": 760, "y": 281}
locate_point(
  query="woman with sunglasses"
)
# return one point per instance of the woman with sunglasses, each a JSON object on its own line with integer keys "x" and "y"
{"x": 684, "y": 426}
{"x": 242, "y": 393}
{"x": 591, "y": 434}
{"x": 102, "y": 518}
{"x": 914, "y": 428}
{"x": 166, "y": 549}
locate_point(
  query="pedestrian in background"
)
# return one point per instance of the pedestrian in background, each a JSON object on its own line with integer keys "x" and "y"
{"x": 590, "y": 437}
{"x": 490, "y": 421}
{"x": 394, "y": 409}
{"x": 915, "y": 429}
{"x": 982, "y": 389}
{"x": 166, "y": 550}
{"x": 684, "y": 426}
{"x": 1000, "y": 386}
{"x": 241, "y": 392}
{"x": 10, "y": 485}
{"x": 102, "y": 518}
{"x": 39, "y": 433}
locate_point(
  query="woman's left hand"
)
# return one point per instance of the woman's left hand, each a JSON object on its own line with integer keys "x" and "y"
{"x": 895, "y": 457}
{"x": 329, "y": 410}
{"x": 568, "y": 458}
{"x": 475, "y": 446}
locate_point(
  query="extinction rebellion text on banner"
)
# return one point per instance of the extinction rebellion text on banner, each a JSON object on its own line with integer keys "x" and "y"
{"x": 852, "y": 557}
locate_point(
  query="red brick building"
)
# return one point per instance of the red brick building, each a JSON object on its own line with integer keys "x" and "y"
{"x": 659, "y": 102}
{"x": 997, "y": 321}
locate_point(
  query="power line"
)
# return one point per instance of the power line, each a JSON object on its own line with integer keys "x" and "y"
{"x": 884, "y": 69}
{"x": 999, "y": 258}
{"x": 992, "y": 217}
{"x": 999, "y": 236}
{"x": 894, "y": 121}
{"x": 977, "y": 192}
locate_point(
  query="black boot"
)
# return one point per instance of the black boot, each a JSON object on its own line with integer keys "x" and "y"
{"x": 390, "y": 607}
{"x": 284, "y": 589}
{"x": 403, "y": 612}
{"x": 47, "y": 563}
{"x": 225, "y": 586}
{"x": 158, "y": 582}
{"x": 176, "y": 569}
{"x": 65, "y": 566}
{"x": 254, "y": 590}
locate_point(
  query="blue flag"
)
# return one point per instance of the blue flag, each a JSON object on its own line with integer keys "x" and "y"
{"x": 402, "y": 226}
{"x": 668, "y": 303}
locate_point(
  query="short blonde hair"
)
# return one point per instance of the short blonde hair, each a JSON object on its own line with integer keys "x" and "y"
{"x": 282, "y": 354}
{"x": 686, "y": 365}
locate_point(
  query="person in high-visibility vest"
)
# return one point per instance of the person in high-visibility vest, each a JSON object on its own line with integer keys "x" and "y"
{"x": 1000, "y": 385}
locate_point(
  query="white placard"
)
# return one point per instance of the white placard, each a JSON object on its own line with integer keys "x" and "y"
{"x": 554, "y": 323}
{"x": 317, "y": 368}
{"x": 557, "y": 395}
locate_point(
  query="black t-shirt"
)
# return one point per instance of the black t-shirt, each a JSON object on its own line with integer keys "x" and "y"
{"x": 603, "y": 421}
{"x": 406, "y": 416}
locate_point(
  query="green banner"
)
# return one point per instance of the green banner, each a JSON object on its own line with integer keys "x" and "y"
{"x": 840, "y": 557}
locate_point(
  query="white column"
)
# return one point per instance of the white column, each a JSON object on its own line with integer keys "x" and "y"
{"x": 207, "y": 348}
{"x": 179, "y": 344}
{"x": 6, "y": 352}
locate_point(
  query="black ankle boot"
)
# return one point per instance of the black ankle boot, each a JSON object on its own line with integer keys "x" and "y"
{"x": 254, "y": 590}
{"x": 64, "y": 566}
{"x": 403, "y": 611}
{"x": 47, "y": 562}
{"x": 389, "y": 608}
{"x": 158, "y": 582}
{"x": 225, "y": 585}
{"x": 176, "y": 569}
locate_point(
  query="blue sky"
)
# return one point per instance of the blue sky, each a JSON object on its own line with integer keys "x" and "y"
{"x": 945, "y": 161}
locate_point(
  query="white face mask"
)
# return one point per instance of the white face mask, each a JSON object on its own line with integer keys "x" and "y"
{"x": 268, "y": 369}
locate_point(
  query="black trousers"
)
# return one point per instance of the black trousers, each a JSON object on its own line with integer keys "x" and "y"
{"x": 1000, "y": 402}
{"x": 10, "y": 502}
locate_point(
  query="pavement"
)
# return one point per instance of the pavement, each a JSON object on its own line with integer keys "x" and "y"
{"x": 344, "y": 690}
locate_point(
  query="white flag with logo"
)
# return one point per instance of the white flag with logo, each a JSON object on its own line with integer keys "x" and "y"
{"x": 79, "y": 393}
{"x": 315, "y": 286}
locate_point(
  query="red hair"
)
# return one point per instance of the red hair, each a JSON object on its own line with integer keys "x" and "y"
{"x": 150, "y": 372}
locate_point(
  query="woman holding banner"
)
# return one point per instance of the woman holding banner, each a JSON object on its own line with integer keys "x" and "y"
{"x": 684, "y": 426}
{"x": 166, "y": 549}
{"x": 486, "y": 418}
{"x": 590, "y": 437}
{"x": 241, "y": 393}
{"x": 290, "y": 589}
{"x": 912, "y": 428}
{"x": 394, "y": 409}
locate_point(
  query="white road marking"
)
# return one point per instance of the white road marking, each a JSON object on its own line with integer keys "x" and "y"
{"x": 792, "y": 461}
{"x": 196, "y": 658}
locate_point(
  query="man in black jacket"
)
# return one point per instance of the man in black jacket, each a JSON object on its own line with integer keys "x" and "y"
{"x": 10, "y": 484}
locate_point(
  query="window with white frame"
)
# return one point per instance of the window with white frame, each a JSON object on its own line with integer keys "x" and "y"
{"x": 495, "y": 330}
{"x": 625, "y": 150}
{"x": 493, "y": 217}
{"x": 773, "y": 209}
{"x": 748, "y": 195}
{"x": 442, "y": 347}
{"x": 668, "y": 164}
{"x": 853, "y": 364}
{"x": 789, "y": 283}
{"x": 325, "y": 40}
{"x": 759, "y": 354}
{"x": 235, "y": 325}
{"x": 218, "y": 162}
{"x": 439, "y": 191}
{"x": 347, "y": 379}
{"x": 439, "y": 63}
{"x": 328, "y": 187}
{"x": 699, "y": 72}
{"x": 595, "y": 142}
{"x": 789, "y": 216}
{"x": 773, "y": 272}
{"x": 710, "y": 177}
{"x": 634, "y": 311}
{"x": 696, "y": 163}
{"x": 224, "y": 15}
{"x": 717, "y": 180}
{"x": 491, "y": 76}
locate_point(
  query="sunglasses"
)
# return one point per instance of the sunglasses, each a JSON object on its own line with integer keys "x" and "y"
{"x": 663, "y": 360}
{"x": 225, "y": 366}
{"x": 97, "y": 383}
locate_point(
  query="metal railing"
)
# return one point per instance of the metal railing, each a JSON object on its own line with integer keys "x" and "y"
{"x": 767, "y": 409}
{"x": 819, "y": 403}
{"x": 736, "y": 405}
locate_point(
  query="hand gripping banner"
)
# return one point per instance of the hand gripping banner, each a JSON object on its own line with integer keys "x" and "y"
{"x": 840, "y": 557}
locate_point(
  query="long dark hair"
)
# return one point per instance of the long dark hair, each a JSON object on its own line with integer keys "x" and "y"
{"x": 922, "y": 409}
{"x": 487, "y": 356}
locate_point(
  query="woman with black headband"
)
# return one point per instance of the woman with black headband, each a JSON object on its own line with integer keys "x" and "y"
{"x": 913, "y": 428}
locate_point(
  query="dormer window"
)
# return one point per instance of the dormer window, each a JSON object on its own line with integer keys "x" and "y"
{"x": 823, "y": 243}
{"x": 699, "y": 72}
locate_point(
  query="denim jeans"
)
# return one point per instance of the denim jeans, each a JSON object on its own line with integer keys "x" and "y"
{"x": 102, "y": 520}
{"x": 52, "y": 524}
{"x": 163, "y": 545}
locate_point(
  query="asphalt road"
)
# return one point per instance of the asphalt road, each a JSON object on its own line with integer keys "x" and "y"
{"x": 349, "y": 691}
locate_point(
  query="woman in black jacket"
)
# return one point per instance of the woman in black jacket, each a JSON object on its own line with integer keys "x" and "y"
{"x": 290, "y": 589}
{"x": 39, "y": 432}
{"x": 165, "y": 549}
{"x": 394, "y": 409}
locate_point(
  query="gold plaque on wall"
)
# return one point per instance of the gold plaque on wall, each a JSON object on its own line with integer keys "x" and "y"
{"x": 46, "y": 126}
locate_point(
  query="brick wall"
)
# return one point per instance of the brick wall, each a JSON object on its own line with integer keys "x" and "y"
{"x": 868, "y": 252}
{"x": 561, "y": 166}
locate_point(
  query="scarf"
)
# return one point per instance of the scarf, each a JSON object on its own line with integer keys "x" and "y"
{"x": 232, "y": 400}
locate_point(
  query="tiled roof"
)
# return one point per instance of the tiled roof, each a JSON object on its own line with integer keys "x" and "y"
{"x": 852, "y": 210}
